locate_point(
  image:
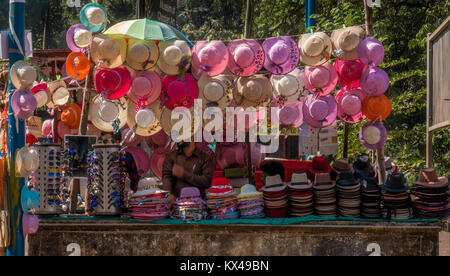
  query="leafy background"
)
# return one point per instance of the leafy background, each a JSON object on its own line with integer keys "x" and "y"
{"x": 402, "y": 26}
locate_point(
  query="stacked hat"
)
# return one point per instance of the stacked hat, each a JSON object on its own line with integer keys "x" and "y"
{"x": 324, "y": 195}
{"x": 151, "y": 204}
{"x": 348, "y": 193}
{"x": 363, "y": 167}
{"x": 300, "y": 195}
{"x": 339, "y": 165}
{"x": 189, "y": 206}
{"x": 370, "y": 198}
{"x": 318, "y": 165}
{"x": 431, "y": 194}
{"x": 250, "y": 202}
{"x": 275, "y": 195}
{"x": 395, "y": 198}
{"x": 222, "y": 201}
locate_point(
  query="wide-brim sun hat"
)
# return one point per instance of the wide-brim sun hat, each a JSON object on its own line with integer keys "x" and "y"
{"x": 428, "y": 178}
{"x": 371, "y": 51}
{"x": 349, "y": 103}
{"x": 93, "y": 16}
{"x": 141, "y": 54}
{"x": 374, "y": 81}
{"x": 174, "y": 56}
{"x": 60, "y": 95}
{"x": 78, "y": 38}
{"x": 130, "y": 138}
{"x": 103, "y": 113}
{"x": 108, "y": 51}
{"x": 321, "y": 79}
{"x": 373, "y": 135}
{"x": 253, "y": 91}
{"x": 346, "y": 42}
{"x": 287, "y": 89}
{"x": 349, "y": 72}
{"x": 22, "y": 75}
{"x": 320, "y": 111}
{"x": 41, "y": 93}
{"x": 27, "y": 160}
{"x": 156, "y": 164}
{"x": 291, "y": 114}
{"x": 115, "y": 82}
{"x": 140, "y": 159}
{"x": 377, "y": 108}
{"x": 28, "y": 199}
{"x": 180, "y": 113}
{"x": 145, "y": 121}
{"x": 315, "y": 49}
{"x": 209, "y": 58}
{"x": 179, "y": 91}
{"x": 246, "y": 57}
{"x": 145, "y": 87}
{"x": 281, "y": 55}
{"x": 215, "y": 91}
{"x": 71, "y": 115}
{"x": 78, "y": 65}
{"x": 23, "y": 104}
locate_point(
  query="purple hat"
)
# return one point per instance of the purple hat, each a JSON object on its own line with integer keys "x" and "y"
{"x": 292, "y": 114}
{"x": 322, "y": 78}
{"x": 30, "y": 224}
{"x": 374, "y": 81}
{"x": 319, "y": 111}
{"x": 246, "y": 57}
{"x": 373, "y": 135}
{"x": 282, "y": 55}
{"x": 190, "y": 193}
{"x": 23, "y": 104}
{"x": 78, "y": 38}
{"x": 371, "y": 51}
{"x": 350, "y": 105}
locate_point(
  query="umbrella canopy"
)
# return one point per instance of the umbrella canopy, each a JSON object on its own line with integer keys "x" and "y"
{"x": 146, "y": 29}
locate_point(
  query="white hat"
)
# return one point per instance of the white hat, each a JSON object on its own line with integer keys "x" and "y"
{"x": 27, "y": 160}
{"x": 22, "y": 75}
{"x": 300, "y": 181}
{"x": 172, "y": 54}
{"x": 288, "y": 88}
{"x": 144, "y": 121}
{"x": 82, "y": 38}
{"x": 95, "y": 16}
{"x": 274, "y": 183}
{"x": 103, "y": 112}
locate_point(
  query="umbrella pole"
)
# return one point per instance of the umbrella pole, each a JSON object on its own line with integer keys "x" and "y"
{"x": 248, "y": 32}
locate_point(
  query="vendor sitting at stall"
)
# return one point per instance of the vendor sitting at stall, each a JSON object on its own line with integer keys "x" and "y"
{"x": 186, "y": 167}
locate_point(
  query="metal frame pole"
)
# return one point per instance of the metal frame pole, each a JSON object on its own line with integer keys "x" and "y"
{"x": 310, "y": 7}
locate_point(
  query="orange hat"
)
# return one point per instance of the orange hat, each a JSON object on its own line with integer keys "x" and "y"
{"x": 377, "y": 108}
{"x": 78, "y": 66}
{"x": 71, "y": 116}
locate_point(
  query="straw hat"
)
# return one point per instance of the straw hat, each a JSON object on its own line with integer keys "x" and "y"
{"x": 144, "y": 121}
{"x": 103, "y": 113}
{"x": 78, "y": 66}
{"x": 27, "y": 160}
{"x": 71, "y": 116}
{"x": 288, "y": 89}
{"x": 142, "y": 55}
{"x": 110, "y": 51}
{"x": 281, "y": 55}
{"x": 23, "y": 104}
{"x": 253, "y": 91}
{"x": 346, "y": 42}
{"x": 373, "y": 135}
{"x": 115, "y": 82}
{"x": 60, "y": 93}
{"x": 78, "y": 38}
{"x": 179, "y": 114}
{"x": 94, "y": 17}
{"x": 145, "y": 87}
{"x": 377, "y": 108}
{"x": 209, "y": 58}
{"x": 175, "y": 56}
{"x": 215, "y": 91}
{"x": 41, "y": 93}
{"x": 315, "y": 49}
{"x": 22, "y": 75}
{"x": 321, "y": 79}
{"x": 246, "y": 57}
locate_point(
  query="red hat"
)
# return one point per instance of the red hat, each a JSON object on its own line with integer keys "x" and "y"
{"x": 319, "y": 164}
{"x": 114, "y": 82}
{"x": 220, "y": 186}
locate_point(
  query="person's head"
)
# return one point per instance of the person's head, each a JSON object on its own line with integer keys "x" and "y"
{"x": 184, "y": 144}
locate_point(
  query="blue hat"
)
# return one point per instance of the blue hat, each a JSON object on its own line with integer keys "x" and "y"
{"x": 94, "y": 17}
{"x": 28, "y": 199}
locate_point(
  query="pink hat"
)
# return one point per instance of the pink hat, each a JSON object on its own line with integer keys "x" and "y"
{"x": 140, "y": 158}
{"x": 350, "y": 105}
{"x": 114, "y": 82}
{"x": 371, "y": 51}
{"x": 23, "y": 104}
{"x": 322, "y": 79}
{"x": 349, "y": 72}
{"x": 159, "y": 139}
{"x": 210, "y": 58}
{"x": 30, "y": 224}
{"x": 47, "y": 128}
{"x": 374, "y": 81}
{"x": 282, "y": 55}
{"x": 130, "y": 138}
{"x": 319, "y": 112}
{"x": 64, "y": 130}
{"x": 145, "y": 87}
{"x": 292, "y": 114}
{"x": 247, "y": 57}
{"x": 156, "y": 164}
{"x": 179, "y": 91}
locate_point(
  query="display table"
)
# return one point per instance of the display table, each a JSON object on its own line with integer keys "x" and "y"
{"x": 88, "y": 236}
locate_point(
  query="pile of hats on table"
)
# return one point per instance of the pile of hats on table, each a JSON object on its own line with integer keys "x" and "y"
{"x": 222, "y": 201}
{"x": 275, "y": 195}
{"x": 348, "y": 194}
{"x": 395, "y": 199}
{"x": 324, "y": 188}
{"x": 300, "y": 195}
{"x": 251, "y": 202}
{"x": 432, "y": 194}
{"x": 189, "y": 206}
{"x": 151, "y": 204}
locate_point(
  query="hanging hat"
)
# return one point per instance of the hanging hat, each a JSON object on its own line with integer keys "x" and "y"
{"x": 93, "y": 16}
{"x": 92, "y": 130}
{"x": 130, "y": 138}
{"x": 377, "y": 108}
{"x": 23, "y": 104}
{"x": 281, "y": 55}
{"x": 374, "y": 81}
{"x": 428, "y": 179}
{"x": 60, "y": 93}
{"x": 47, "y": 128}
{"x": 349, "y": 72}
{"x": 145, "y": 121}
{"x": 215, "y": 91}
{"x": 373, "y": 135}
{"x": 229, "y": 156}
{"x": 363, "y": 167}
{"x": 63, "y": 130}
{"x": 78, "y": 38}
{"x": 346, "y": 42}
{"x": 288, "y": 89}
{"x": 175, "y": 56}
{"x": 22, "y": 75}
{"x": 41, "y": 93}
{"x": 253, "y": 91}
{"x": 322, "y": 79}
{"x": 103, "y": 113}
{"x": 115, "y": 83}
{"x": 371, "y": 51}
{"x": 299, "y": 181}
{"x": 315, "y": 49}
{"x": 71, "y": 116}
{"x": 145, "y": 87}
{"x": 396, "y": 183}
{"x": 140, "y": 159}
{"x": 156, "y": 164}
{"x": 160, "y": 139}
{"x": 246, "y": 57}
{"x": 350, "y": 105}
{"x": 210, "y": 58}
{"x": 180, "y": 113}
{"x": 179, "y": 90}
{"x": 78, "y": 65}
{"x": 141, "y": 54}
{"x": 319, "y": 112}
{"x": 28, "y": 199}
{"x": 109, "y": 51}
{"x": 292, "y": 114}
{"x": 319, "y": 165}
{"x": 30, "y": 224}
{"x": 27, "y": 160}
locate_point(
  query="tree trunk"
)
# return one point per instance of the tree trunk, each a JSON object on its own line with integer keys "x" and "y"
{"x": 44, "y": 33}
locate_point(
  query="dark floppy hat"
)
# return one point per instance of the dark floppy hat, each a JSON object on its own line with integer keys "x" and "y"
{"x": 272, "y": 168}
{"x": 347, "y": 179}
{"x": 363, "y": 167}
{"x": 396, "y": 183}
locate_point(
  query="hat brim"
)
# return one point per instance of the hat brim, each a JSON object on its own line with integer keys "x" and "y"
{"x": 317, "y": 60}
{"x": 85, "y": 21}
{"x": 441, "y": 183}
{"x": 152, "y": 60}
{"x": 299, "y": 120}
{"x": 115, "y": 62}
{"x": 347, "y": 55}
{"x": 266, "y": 95}
{"x": 225, "y": 100}
{"x": 355, "y": 118}
{"x": 173, "y": 69}
{"x": 329, "y": 119}
{"x": 290, "y": 64}
{"x": 155, "y": 160}
{"x": 383, "y": 135}
{"x": 71, "y": 43}
{"x": 15, "y": 78}
{"x": 192, "y": 88}
{"x": 216, "y": 69}
{"x": 149, "y": 131}
{"x": 374, "y": 116}
{"x": 258, "y": 60}
{"x": 331, "y": 84}
{"x": 155, "y": 93}
{"x": 294, "y": 97}
{"x": 70, "y": 69}
{"x": 98, "y": 122}
{"x": 123, "y": 87}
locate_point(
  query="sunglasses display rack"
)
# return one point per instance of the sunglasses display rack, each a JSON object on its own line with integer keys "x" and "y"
{"x": 105, "y": 187}
{"x": 48, "y": 179}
